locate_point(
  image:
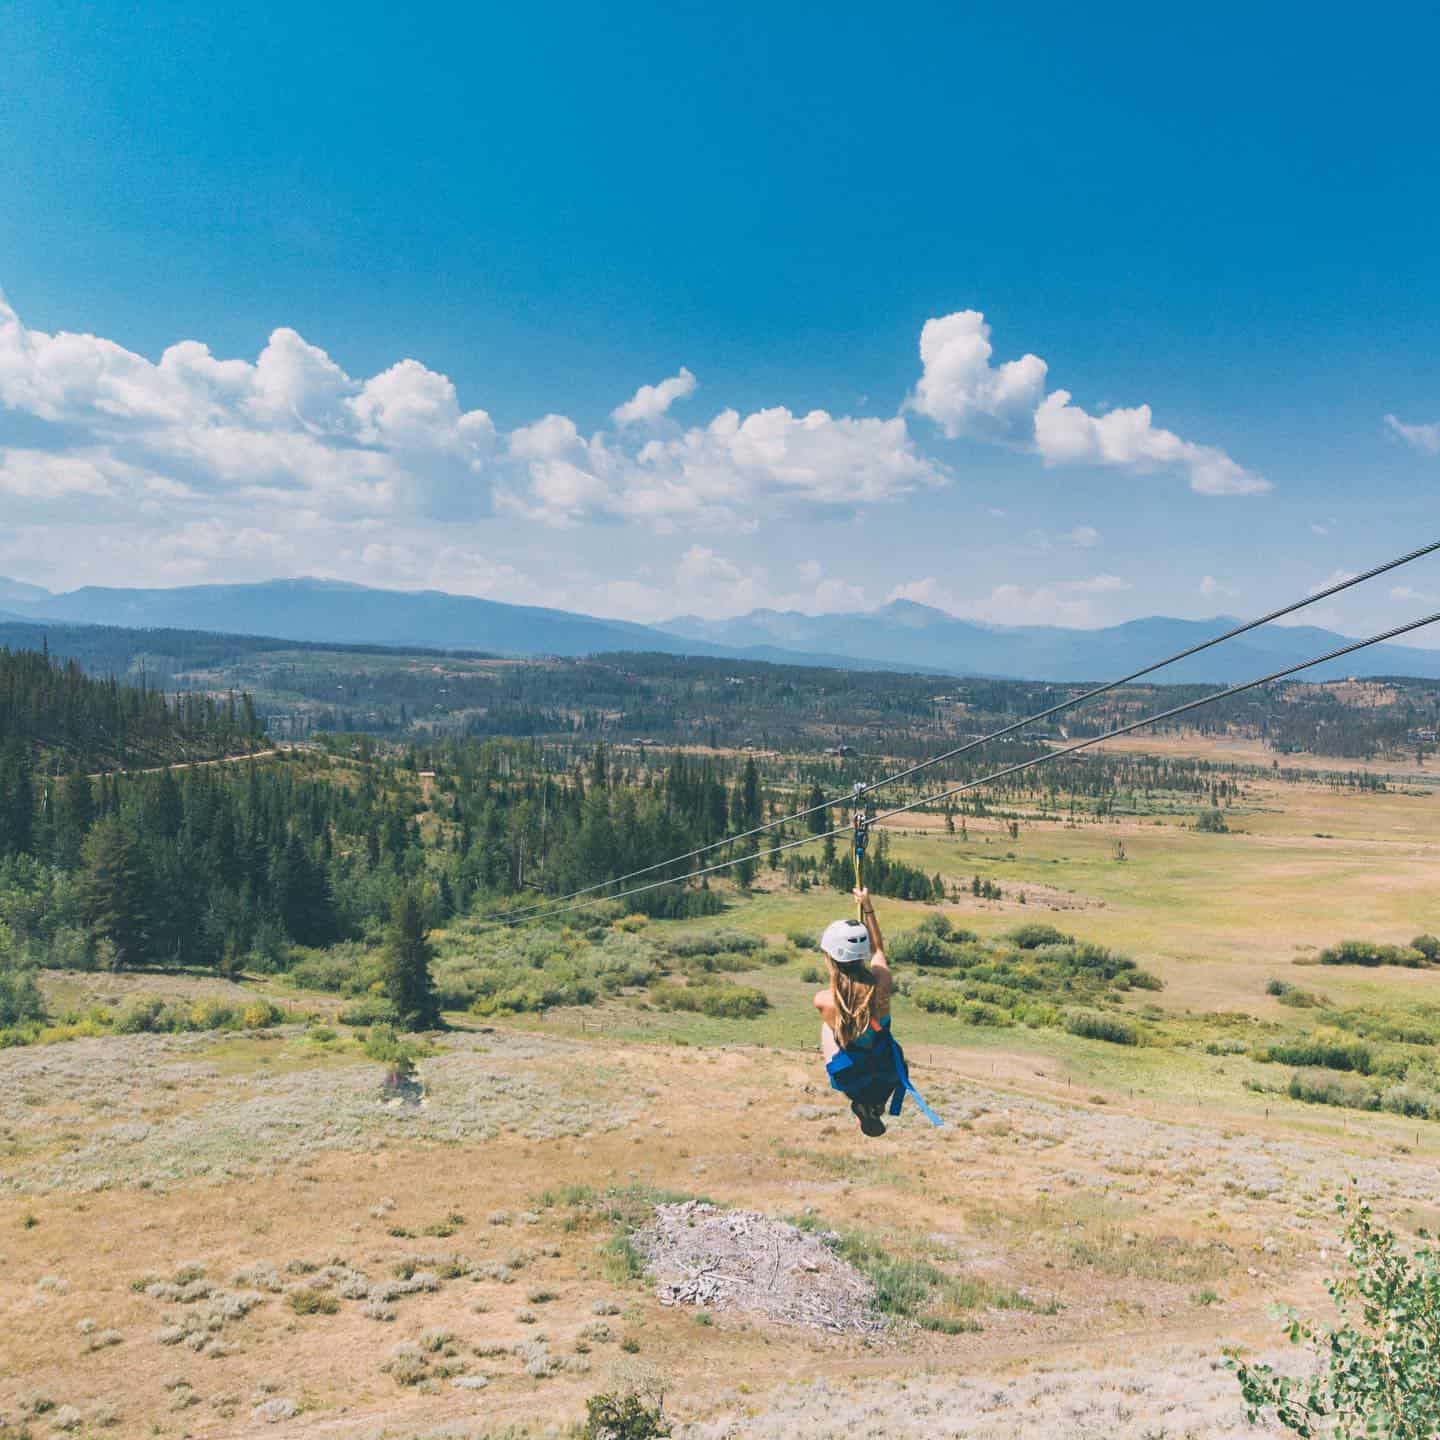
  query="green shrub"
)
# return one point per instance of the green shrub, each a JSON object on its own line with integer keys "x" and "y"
{"x": 716, "y": 998}
{"x": 20, "y": 999}
{"x": 935, "y": 1000}
{"x": 368, "y": 1010}
{"x": 538, "y": 969}
{"x": 940, "y": 927}
{"x": 953, "y": 1002}
{"x": 1092, "y": 1025}
{"x": 1292, "y": 995}
{"x": 140, "y": 1016}
{"x": 716, "y": 942}
{"x": 1211, "y": 822}
{"x": 623, "y": 1417}
{"x": 261, "y": 1015}
{"x": 213, "y": 1014}
{"x": 922, "y": 948}
{"x": 384, "y": 1044}
{"x": 1370, "y": 952}
{"x": 1323, "y": 1053}
{"x": 1031, "y": 937}
{"x": 731, "y": 961}
{"x": 327, "y": 970}
{"x": 1376, "y": 1373}
{"x": 306, "y": 1301}
{"x": 1414, "y": 1100}
{"x": 1324, "y": 1087}
{"x": 1428, "y": 946}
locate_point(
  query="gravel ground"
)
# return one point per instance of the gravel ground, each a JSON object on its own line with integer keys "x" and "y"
{"x": 737, "y": 1260}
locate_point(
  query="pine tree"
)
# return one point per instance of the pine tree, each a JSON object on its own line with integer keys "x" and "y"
{"x": 17, "y": 799}
{"x": 115, "y": 885}
{"x": 746, "y": 810}
{"x": 819, "y": 818}
{"x": 406, "y": 965}
{"x": 74, "y": 815}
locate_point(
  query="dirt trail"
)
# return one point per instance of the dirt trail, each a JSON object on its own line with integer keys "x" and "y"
{"x": 190, "y": 764}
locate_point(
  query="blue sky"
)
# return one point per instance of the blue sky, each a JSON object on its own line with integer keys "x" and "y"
{"x": 223, "y": 231}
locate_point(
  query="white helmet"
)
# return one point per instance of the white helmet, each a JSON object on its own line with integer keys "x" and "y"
{"x": 846, "y": 942}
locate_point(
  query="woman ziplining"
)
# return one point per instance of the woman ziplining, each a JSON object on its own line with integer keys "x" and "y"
{"x": 862, "y": 1058}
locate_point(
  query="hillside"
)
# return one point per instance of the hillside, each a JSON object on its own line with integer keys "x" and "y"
{"x": 618, "y": 1166}
{"x": 53, "y": 714}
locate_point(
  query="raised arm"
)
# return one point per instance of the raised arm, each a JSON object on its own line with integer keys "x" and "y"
{"x": 877, "y": 945}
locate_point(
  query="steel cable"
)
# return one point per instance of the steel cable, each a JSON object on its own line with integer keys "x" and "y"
{"x": 990, "y": 779}
{"x": 1199, "y": 648}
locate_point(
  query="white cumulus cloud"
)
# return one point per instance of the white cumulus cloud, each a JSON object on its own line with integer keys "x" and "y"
{"x": 965, "y": 394}
{"x": 728, "y": 472}
{"x": 290, "y": 428}
{"x": 1066, "y": 434}
{"x": 650, "y": 402}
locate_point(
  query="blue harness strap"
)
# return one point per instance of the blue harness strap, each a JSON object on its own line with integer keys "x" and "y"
{"x": 906, "y": 1088}
{"x": 874, "y": 1059}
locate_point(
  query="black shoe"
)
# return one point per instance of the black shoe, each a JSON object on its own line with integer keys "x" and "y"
{"x": 869, "y": 1118}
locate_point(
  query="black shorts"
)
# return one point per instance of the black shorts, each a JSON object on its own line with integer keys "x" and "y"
{"x": 877, "y": 1093}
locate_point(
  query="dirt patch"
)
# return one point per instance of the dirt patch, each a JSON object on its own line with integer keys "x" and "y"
{"x": 738, "y": 1260}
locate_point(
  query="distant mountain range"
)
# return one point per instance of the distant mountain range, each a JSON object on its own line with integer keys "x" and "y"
{"x": 899, "y": 636}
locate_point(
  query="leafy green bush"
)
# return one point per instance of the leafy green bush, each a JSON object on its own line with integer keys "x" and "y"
{"x": 1413, "y": 1100}
{"x": 1211, "y": 822}
{"x": 624, "y": 1417}
{"x": 956, "y": 1003}
{"x": 921, "y": 947}
{"x": 151, "y": 1014}
{"x": 1427, "y": 945}
{"x": 1370, "y": 952}
{"x": 1324, "y": 1087}
{"x": 716, "y": 998}
{"x": 1032, "y": 936}
{"x": 1376, "y": 1373}
{"x": 20, "y": 997}
{"x": 307, "y": 1301}
{"x": 943, "y": 928}
{"x": 514, "y": 972}
{"x": 1092, "y": 1025}
{"x": 1325, "y": 1053}
{"x": 328, "y": 970}
{"x": 1292, "y": 995}
{"x": 716, "y": 942}
{"x": 731, "y": 961}
{"x": 1135, "y": 978}
{"x": 368, "y": 1010}
{"x": 384, "y": 1044}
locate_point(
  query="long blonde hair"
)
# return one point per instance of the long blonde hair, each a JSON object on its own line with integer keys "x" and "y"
{"x": 854, "y": 990}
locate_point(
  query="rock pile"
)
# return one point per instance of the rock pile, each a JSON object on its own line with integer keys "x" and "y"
{"x": 741, "y": 1261}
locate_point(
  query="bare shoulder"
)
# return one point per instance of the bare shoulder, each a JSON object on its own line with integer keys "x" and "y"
{"x": 824, "y": 1001}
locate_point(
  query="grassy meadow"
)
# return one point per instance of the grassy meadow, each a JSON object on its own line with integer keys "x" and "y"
{"x": 237, "y": 1231}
